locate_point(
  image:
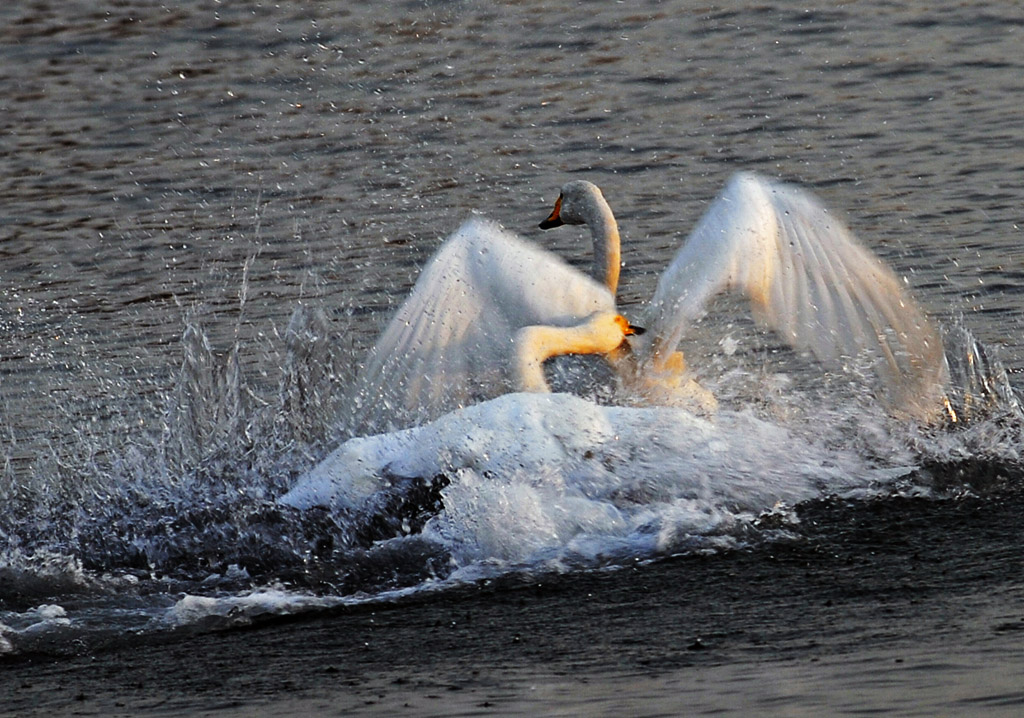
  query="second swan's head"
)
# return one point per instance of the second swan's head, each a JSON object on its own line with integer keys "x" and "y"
{"x": 575, "y": 204}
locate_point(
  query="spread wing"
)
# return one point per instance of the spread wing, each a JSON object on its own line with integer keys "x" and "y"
{"x": 450, "y": 343}
{"x": 808, "y": 278}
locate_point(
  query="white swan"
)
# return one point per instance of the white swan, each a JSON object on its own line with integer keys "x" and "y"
{"x": 463, "y": 335}
{"x": 806, "y": 276}
{"x": 459, "y": 337}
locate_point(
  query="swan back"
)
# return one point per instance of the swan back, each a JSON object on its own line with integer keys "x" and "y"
{"x": 809, "y": 279}
{"x": 451, "y": 342}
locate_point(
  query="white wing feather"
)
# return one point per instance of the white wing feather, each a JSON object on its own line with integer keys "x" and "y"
{"x": 450, "y": 343}
{"x": 808, "y": 278}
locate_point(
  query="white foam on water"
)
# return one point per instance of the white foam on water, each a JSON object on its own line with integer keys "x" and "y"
{"x": 38, "y": 622}
{"x": 243, "y": 608}
{"x": 549, "y": 477}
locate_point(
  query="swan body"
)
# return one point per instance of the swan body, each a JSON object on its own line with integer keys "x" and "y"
{"x": 489, "y": 308}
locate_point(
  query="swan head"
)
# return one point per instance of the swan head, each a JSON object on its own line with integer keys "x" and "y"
{"x": 627, "y": 329}
{"x": 575, "y": 204}
{"x": 601, "y": 333}
{"x": 581, "y": 202}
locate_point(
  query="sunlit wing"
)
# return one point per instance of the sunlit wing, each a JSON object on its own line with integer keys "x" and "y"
{"x": 808, "y": 278}
{"x": 450, "y": 343}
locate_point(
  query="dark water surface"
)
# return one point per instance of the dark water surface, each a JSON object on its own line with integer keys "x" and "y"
{"x": 208, "y": 209}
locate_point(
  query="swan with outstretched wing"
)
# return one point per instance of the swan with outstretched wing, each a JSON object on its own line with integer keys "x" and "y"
{"x": 808, "y": 278}
{"x": 484, "y": 315}
{"x": 489, "y": 308}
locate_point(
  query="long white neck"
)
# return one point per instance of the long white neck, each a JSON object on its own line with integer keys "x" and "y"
{"x": 536, "y": 344}
{"x": 596, "y": 214}
{"x": 607, "y": 253}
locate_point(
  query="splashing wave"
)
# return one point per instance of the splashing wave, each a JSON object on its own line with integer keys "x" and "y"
{"x": 219, "y": 512}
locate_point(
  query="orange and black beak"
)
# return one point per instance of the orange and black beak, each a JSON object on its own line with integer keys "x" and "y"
{"x": 555, "y": 218}
{"x": 627, "y": 328}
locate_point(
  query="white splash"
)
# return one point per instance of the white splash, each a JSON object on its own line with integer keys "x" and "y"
{"x": 535, "y": 477}
{"x": 241, "y": 609}
{"x": 39, "y": 622}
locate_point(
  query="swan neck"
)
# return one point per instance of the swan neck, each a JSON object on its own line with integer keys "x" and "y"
{"x": 605, "y": 232}
{"x": 536, "y": 344}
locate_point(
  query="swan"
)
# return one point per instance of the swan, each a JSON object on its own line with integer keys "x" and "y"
{"x": 485, "y": 312}
{"x": 489, "y": 308}
{"x": 805, "y": 275}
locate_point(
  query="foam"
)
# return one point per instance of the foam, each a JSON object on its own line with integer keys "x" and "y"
{"x": 244, "y": 608}
{"x": 540, "y": 477}
{"x": 41, "y": 622}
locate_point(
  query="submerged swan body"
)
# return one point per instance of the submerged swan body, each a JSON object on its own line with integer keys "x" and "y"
{"x": 489, "y": 308}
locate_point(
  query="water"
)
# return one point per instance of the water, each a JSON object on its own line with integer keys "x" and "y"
{"x": 209, "y": 210}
